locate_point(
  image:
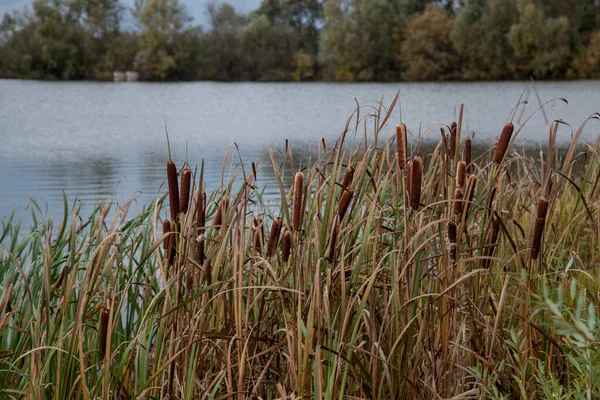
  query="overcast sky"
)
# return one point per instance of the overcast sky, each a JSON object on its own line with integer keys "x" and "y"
{"x": 196, "y": 8}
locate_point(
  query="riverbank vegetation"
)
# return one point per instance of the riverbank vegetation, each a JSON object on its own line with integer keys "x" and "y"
{"x": 380, "y": 272}
{"x": 297, "y": 40}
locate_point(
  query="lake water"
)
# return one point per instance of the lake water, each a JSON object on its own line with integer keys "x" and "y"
{"x": 94, "y": 140}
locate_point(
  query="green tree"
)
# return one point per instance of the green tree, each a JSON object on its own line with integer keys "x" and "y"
{"x": 541, "y": 44}
{"x": 427, "y": 52}
{"x": 161, "y": 23}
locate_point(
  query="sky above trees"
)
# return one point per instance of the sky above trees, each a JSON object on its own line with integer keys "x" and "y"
{"x": 196, "y": 8}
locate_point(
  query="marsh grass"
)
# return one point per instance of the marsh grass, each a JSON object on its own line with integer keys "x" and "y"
{"x": 380, "y": 287}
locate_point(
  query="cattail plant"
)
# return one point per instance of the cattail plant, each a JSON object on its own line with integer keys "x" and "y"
{"x": 409, "y": 172}
{"x": 470, "y": 192}
{"x": 415, "y": 182}
{"x": 402, "y": 145}
{"x": 453, "y": 138}
{"x": 461, "y": 169}
{"x": 348, "y": 178}
{"x": 451, "y": 232}
{"x": 104, "y": 317}
{"x": 493, "y": 242}
{"x": 458, "y": 201}
{"x": 221, "y": 210}
{"x": 166, "y": 228}
{"x": 173, "y": 190}
{"x": 258, "y": 234}
{"x": 297, "y": 210}
{"x": 333, "y": 237}
{"x": 503, "y": 142}
{"x": 184, "y": 197}
{"x": 468, "y": 154}
{"x": 538, "y": 230}
{"x": 445, "y": 145}
{"x": 201, "y": 223}
{"x": 274, "y": 237}
{"x": 286, "y": 246}
{"x": 344, "y": 203}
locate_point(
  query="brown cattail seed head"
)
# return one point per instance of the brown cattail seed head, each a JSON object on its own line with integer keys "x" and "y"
{"x": 348, "y": 177}
{"x": 451, "y": 232}
{"x": 542, "y": 207}
{"x": 461, "y": 169}
{"x": 286, "y": 246}
{"x": 173, "y": 190}
{"x": 452, "y": 150}
{"x": 458, "y": 202}
{"x": 258, "y": 234}
{"x": 401, "y": 143}
{"x": 409, "y": 171}
{"x": 184, "y": 198}
{"x": 298, "y": 193}
{"x": 274, "y": 237}
{"x": 166, "y": 228}
{"x": 201, "y": 212}
{"x": 415, "y": 184}
{"x": 344, "y": 203}
{"x": 503, "y": 143}
{"x": 468, "y": 154}
{"x": 333, "y": 238}
{"x": 221, "y": 210}
{"x": 538, "y": 230}
{"x": 104, "y": 315}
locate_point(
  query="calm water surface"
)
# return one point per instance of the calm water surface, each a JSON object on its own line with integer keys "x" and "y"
{"x": 95, "y": 140}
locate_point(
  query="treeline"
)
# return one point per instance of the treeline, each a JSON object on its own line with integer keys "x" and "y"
{"x": 336, "y": 40}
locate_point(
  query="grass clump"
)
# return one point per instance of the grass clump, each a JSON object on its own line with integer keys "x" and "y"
{"x": 378, "y": 281}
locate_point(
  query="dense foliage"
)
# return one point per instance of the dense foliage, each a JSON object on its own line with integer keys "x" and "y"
{"x": 336, "y": 40}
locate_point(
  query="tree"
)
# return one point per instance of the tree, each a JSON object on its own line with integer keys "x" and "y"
{"x": 427, "y": 52}
{"x": 161, "y": 24}
{"x": 541, "y": 44}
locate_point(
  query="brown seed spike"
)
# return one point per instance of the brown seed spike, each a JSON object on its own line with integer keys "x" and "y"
{"x": 104, "y": 316}
{"x": 458, "y": 202}
{"x": 503, "y": 143}
{"x": 344, "y": 203}
{"x": 460, "y": 173}
{"x": 453, "y": 131}
{"x": 173, "y": 190}
{"x": 201, "y": 216}
{"x": 298, "y": 193}
{"x": 221, "y": 210}
{"x": 538, "y": 230}
{"x": 409, "y": 170}
{"x": 468, "y": 154}
{"x": 286, "y": 246}
{"x": 348, "y": 178}
{"x": 401, "y": 143}
{"x": 166, "y": 228}
{"x": 184, "y": 198}
{"x": 274, "y": 237}
{"x": 415, "y": 183}
{"x": 451, "y": 232}
{"x": 333, "y": 238}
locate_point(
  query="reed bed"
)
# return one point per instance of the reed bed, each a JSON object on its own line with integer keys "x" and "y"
{"x": 373, "y": 277}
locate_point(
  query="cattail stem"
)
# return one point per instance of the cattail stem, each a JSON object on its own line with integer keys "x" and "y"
{"x": 298, "y": 198}
{"x": 468, "y": 154}
{"x": 503, "y": 143}
{"x": 274, "y": 237}
{"x": 415, "y": 183}
{"x": 258, "y": 234}
{"x": 184, "y": 197}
